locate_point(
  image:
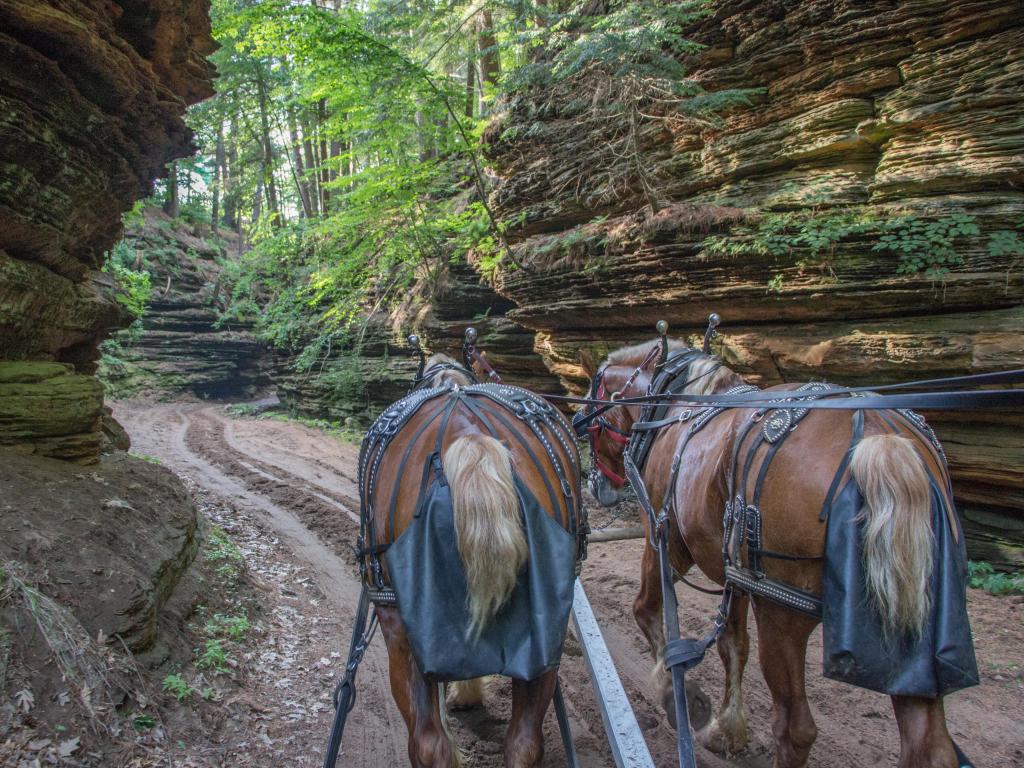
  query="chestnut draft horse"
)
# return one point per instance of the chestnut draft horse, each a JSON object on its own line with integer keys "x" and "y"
{"x": 890, "y": 465}
{"x": 490, "y": 446}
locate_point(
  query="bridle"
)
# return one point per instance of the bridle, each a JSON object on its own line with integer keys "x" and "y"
{"x": 591, "y": 421}
{"x": 599, "y": 424}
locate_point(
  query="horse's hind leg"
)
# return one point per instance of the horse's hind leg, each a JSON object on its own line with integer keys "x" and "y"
{"x": 419, "y": 701}
{"x": 782, "y": 649}
{"x": 924, "y": 740}
{"x": 524, "y": 742}
{"x": 728, "y": 732}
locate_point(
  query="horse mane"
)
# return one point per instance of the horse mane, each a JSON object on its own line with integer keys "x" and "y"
{"x": 637, "y": 353}
{"x": 706, "y": 371}
{"x": 457, "y": 375}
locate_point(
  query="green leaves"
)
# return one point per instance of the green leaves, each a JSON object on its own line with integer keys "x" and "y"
{"x": 134, "y": 287}
{"x": 926, "y": 246}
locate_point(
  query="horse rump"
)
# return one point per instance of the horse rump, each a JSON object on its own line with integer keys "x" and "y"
{"x": 489, "y": 532}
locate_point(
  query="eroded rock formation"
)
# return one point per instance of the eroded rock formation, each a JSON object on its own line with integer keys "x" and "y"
{"x": 870, "y": 114}
{"x": 92, "y": 93}
{"x": 374, "y": 369}
{"x": 112, "y": 541}
{"x": 184, "y": 347}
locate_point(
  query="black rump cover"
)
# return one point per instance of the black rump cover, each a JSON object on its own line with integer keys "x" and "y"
{"x": 942, "y": 659}
{"x": 525, "y": 638}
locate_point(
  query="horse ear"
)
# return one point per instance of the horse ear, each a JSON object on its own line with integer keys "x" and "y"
{"x": 587, "y": 364}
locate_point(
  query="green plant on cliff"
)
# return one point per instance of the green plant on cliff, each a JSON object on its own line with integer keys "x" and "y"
{"x": 621, "y": 71}
{"x": 133, "y": 290}
{"x": 1009, "y": 245}
{"x": 926, "y": 246}
{"x": 811, "y": 236}
{"x": 982, "y": 575}
{"x": 134, "y": 287}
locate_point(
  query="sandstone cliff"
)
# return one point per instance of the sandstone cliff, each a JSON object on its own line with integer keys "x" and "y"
{"x": 184, "y": 347}
{"x": 91, "y": 99}
{"x": 374, "y": 369}
{"x": 884, "y": 133}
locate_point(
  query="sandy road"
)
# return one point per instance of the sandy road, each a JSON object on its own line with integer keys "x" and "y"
{"x": 376, "y": 732}
{"x": 302, "y": 482}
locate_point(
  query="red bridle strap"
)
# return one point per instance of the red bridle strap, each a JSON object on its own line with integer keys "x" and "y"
{"x": 620, "y": 437}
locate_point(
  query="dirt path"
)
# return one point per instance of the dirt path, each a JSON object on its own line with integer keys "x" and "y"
{"x": 376, "y": 732}
{"x": 301, "y": 483}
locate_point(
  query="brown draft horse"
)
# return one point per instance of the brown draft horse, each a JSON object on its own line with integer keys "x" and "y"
{"x": 890, "y": 472}
{"x": 491, "y": 545}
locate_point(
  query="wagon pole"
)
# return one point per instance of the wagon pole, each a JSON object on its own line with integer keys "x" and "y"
{"x": 624, "y": 736}
{"x": 615, "y": 534}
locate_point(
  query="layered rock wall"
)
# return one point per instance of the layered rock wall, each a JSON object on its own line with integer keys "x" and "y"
{"x": 874, "y": 119}
{"x": 353, "y": 384}
{"x": 92, "y": 93}
{"x": 185, "y": 346}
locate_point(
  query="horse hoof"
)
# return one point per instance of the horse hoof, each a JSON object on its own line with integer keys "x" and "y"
{"x": 698, "y": 706}
{"x": 465, "y": 695}
{"x": 725, "y": 742}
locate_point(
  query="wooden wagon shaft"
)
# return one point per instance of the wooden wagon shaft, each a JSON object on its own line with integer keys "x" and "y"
{"x": 627, "y": 742}
{"x": 616, "y": 534}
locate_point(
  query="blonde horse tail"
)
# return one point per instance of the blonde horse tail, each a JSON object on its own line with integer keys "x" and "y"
{"x": 490, "y": 536}
{"x": 897, "y": 530}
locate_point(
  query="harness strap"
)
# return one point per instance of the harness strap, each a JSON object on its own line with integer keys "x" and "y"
{"x": 345, "y": 693}
{"x": 393, "y": 503}
{"x": 932, "y": 400}
{"x": 679, "y": 654}
{"x": 857, "y": 433}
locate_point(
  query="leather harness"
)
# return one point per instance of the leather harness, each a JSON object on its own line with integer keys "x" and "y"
{"x": 780, "y": 414}
{"x": 491, "y": 405}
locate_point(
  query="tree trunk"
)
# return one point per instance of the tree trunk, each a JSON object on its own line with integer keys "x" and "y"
{"x": 267, "y": 160}
{"x": 325, "y": 175}
{"x": 231, "y": 215}
{"x": 257, "y": 202}
{"x": 313, "y": 179}
{"x": 336, "y": 170}
{"x": 172, "y": 206}
{"x": 218, "y": 162}
{"x": 470, "y": 84}
{"x": 301, "y": 182}
{"x": 490, "y": 61}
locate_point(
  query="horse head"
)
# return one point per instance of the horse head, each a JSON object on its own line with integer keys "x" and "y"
{"x": 627, "y": 373}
